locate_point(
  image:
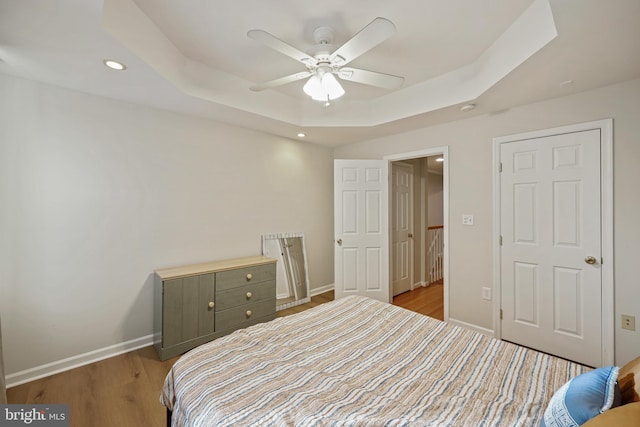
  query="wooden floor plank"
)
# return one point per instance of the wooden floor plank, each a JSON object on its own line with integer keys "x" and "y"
{"x": 428, "y": 300}
{"x": 315, "y": 300}
{"x": 123, "y": 390}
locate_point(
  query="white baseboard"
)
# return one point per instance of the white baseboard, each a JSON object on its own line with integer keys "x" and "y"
{"x": 419, "y": 284}
{"x": 485, "y": 331}
{"x": 321, "y": 290}
{"x": 77, "y": 361}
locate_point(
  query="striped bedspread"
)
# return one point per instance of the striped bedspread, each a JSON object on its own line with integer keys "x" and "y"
{"x": 357, "y": 361}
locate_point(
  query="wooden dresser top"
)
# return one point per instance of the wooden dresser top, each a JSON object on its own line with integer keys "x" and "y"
{"x": 212, "y": 267}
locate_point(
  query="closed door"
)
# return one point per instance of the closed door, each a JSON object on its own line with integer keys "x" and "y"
{"x": 401, "y": 226}
{"x": 361, "y": 190}
{"x": 551, "y": 278}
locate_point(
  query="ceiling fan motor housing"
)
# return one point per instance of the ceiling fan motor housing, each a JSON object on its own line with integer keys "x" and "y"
{"x": 322, "y": 50}
{"x": 323, "y": 35}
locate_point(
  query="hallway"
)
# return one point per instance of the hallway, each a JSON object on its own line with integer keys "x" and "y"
{"x": 427, "y": 300}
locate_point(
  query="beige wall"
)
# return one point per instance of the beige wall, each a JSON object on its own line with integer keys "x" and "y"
{"x": 3, "y": 390}
{"x": 470, "y": 191}
{"x": 435, "y": 195}
{"x": 96, "y": 194}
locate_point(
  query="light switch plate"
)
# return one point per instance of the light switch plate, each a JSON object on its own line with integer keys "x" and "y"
{"x": 467, "y": 219}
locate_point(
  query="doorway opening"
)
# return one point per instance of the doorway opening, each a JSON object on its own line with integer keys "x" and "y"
{"x": 418, "y": 232}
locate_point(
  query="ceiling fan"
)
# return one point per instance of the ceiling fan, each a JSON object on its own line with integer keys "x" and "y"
{"x": 323, "y": 61}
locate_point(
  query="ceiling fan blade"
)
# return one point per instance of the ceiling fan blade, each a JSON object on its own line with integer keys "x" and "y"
{"x": 386, "y": 81}
{"x": 370, "y": 36}
{"x": 276, "y": 44}
{"x": 281, "y": 81}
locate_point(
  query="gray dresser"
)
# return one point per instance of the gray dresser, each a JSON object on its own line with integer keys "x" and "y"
{"x": 197, "y": 303}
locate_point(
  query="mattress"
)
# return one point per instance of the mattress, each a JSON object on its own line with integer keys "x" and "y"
{"x": 360, "y": 362}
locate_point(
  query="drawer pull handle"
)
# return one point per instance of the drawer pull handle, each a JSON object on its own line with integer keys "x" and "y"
{"x": 249, "y": 295}
{"x": 249, "y": 276}
{"x": 211, "y": 304}
{"x": 249, "y": 313}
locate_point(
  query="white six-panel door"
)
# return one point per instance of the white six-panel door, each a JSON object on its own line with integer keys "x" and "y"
{"x": 401, "y": 226}
{"x": 361, "y": 224}
{"x": 551, "y": 277}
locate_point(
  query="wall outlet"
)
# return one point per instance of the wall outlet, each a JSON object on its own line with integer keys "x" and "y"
{"x": 628, "y": 322}
{"x": 486, "y": 293}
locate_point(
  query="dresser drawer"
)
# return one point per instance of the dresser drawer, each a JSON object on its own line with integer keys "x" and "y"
{"x": 244, "y": 315}
{"x": 244, "y": 276}
{"x": 248, "y": 294}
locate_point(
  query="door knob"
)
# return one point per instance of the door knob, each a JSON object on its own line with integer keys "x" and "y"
{"x": 211, "y": 304}
{"x": 410, "y": 235}
{"x": 339, "y": 242}
{"x": 590, "y": 260}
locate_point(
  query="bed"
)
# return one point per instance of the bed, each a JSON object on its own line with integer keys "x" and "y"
{"x": 358, "y": 361}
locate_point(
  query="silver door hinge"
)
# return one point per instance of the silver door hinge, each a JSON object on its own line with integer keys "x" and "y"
{"x": 500, "y": 314}
{"x": 500, "y": 240}
{"x": 601, "y": 260}
{"x": 500, "y": 167}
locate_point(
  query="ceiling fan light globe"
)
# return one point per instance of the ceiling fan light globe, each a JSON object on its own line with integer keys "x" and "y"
{"x": 331, "y": 87}
{"x": 313, "y": 86}
{"x": 323, "y": 88}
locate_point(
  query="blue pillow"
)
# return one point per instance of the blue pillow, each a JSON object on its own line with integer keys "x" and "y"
{"x": 582, "y": 398}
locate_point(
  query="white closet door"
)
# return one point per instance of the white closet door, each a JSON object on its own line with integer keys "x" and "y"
{"x": 551, "y": 251}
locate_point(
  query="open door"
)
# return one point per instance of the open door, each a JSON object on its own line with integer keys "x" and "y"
{"x": 361, "y": 224}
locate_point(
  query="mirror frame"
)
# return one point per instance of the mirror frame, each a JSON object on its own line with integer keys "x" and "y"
{"x": 280, "y": 265}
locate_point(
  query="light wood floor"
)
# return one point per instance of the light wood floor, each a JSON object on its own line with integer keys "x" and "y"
{"x": 427, "y": 300}
{"x": 315, "y": 300}
{"x": 124, "y": 390}
{"x": 119, "y": 391}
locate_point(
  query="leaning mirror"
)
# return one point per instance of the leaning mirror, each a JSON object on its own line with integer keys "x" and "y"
{"x": 292, "y": 279}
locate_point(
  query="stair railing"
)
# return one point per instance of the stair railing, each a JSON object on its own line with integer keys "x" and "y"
{"x": 435, "y": 236}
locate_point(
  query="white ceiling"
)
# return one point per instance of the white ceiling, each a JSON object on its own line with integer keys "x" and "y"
{"x": 193, "y": 56}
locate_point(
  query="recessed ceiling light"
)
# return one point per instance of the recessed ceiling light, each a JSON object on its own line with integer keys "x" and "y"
{"x": 440, "y": 159}
{"x": 566, "y": 83}
{"x": 301, "y": 135}
{"x": 467, "y": 107}
{"x": 114, "y": 65}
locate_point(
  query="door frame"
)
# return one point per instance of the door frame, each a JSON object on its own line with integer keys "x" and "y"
{"x": 606, "y": 185}
{"x": 436, "y": 151}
